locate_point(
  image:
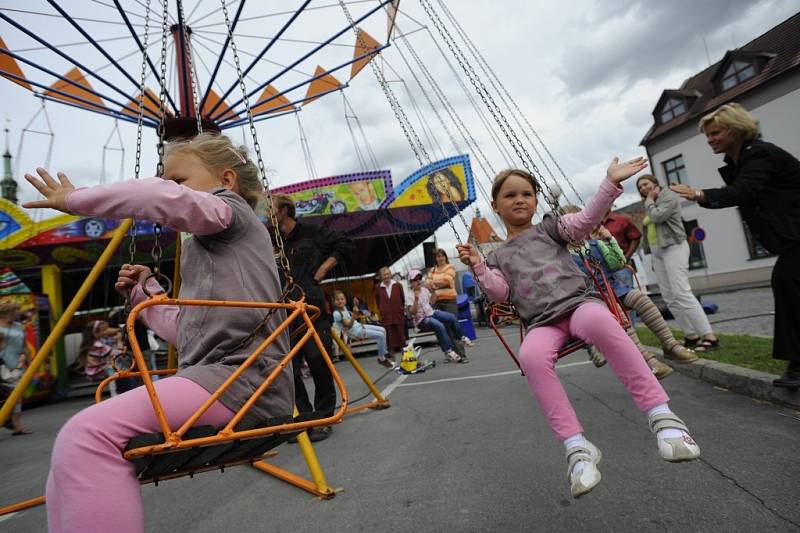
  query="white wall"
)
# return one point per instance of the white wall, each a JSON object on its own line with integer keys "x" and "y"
{"x": 726, "y": 246}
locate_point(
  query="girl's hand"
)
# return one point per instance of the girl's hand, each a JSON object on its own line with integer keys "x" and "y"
{"x": 618, "y": 172}
{"x": 54, "y": 191}
{"x": 129, "y": 276}
{"x": 468, "y": 255}
{"x": 653, "y": 194}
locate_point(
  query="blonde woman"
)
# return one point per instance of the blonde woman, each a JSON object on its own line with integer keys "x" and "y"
{"x": 763, "y": 180}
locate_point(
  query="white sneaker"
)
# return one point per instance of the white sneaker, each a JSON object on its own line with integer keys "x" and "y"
{"x": 451, "y": 357}
{"x": 674, "y": 449}
{"x": 467, "y": 341}
{"x": 588, "y": 478}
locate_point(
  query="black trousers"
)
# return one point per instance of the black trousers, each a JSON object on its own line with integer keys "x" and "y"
{"x": 324, "y": 388}
{"x": 786, "y": 291}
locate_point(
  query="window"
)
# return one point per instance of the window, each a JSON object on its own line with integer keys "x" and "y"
{"x": 738, "y": 71}
{"x": 675, "y": 170}
{"x": 755, "y": 248}
{"x": 697, "y": 255}
{"x": 671, "y": 109}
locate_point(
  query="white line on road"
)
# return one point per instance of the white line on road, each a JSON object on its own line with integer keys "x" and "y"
{"x": 481, "y": 376}
{"x": 396, "y": 383}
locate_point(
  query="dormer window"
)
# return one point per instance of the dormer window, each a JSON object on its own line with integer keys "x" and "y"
{"x": 738, "y": 71}
{"x": 672, "y": 108}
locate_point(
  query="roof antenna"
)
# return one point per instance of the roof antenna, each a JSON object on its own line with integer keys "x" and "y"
{"x": 708, "y": 56}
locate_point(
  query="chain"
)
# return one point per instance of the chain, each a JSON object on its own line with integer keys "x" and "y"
{"x": 127, "y": 305}
{"x": 466, "y": 134}
{"x": 284, "y": 260}
{"x": 190, "y": 61}
{"x": 497, "y": 114}
{"x": 163, "y": 91}
{"x": 411, "y": 136}
{"x": 489, "y": 71}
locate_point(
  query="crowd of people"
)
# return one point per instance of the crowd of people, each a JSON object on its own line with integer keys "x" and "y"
{"x": 209, "y": 189}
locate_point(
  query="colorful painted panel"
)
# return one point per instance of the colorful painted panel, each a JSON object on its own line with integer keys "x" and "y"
{"x": 348, "y": 193}
{"x": 451, "y": 178}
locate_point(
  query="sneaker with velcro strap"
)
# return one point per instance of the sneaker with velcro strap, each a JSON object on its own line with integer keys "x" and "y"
{"x": 588, "y": 478}
{"x": 674, "y": 449}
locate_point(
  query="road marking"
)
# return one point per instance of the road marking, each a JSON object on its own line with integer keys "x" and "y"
{"x": 7, "y": 516}
{"x": 396, "y": 383}
{"x": 480, "y": 376}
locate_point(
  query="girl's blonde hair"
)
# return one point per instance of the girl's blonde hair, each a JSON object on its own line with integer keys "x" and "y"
{"x": 218, "y": 153}
{"x": 503, "y": 175}
{"x": 734, "y": 117}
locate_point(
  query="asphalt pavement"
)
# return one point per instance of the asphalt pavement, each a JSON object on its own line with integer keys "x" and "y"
{"x": 465, "y": 448}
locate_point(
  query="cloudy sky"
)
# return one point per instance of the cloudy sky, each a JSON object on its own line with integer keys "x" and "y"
{"x": 586, "y": 75}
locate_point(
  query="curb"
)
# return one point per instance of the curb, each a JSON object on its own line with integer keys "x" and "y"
{"x": 745, "y": 381}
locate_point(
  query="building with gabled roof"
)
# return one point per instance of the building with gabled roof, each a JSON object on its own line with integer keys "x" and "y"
{"x": 763, "y": 76}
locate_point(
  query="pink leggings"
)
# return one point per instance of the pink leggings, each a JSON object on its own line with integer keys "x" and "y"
{"x": 595, "y": 324}
{"x": 91, "y": 487}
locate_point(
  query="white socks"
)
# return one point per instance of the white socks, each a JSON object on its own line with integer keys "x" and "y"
{"x": 667, "y": 433}
{"x": 572, "y": 442}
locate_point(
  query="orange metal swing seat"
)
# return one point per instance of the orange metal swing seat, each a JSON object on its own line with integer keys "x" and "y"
{"x": 192, "y": 449}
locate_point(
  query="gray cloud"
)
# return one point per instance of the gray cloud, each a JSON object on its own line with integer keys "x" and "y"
{"x": 626, "y": 41}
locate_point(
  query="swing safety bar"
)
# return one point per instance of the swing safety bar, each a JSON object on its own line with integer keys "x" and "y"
{"x": 173, "y": 440}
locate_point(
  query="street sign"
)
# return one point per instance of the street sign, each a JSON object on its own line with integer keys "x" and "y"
{"x": 698, "y": 234}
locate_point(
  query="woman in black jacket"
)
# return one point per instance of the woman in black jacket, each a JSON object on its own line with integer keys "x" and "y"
{"x": 763, "y": 180}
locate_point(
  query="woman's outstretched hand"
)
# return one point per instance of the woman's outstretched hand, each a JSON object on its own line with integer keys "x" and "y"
{"x": 55, "y": 192}
{"x": 129, "y": 276}
{"x": 468, "y": 255}
{"x": 618, "y": 172}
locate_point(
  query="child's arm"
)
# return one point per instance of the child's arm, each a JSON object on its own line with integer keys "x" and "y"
{"x": 345, "y": 322}
{"x": 578, "y": 226}
{"x": 491, "y": 280}
{"x": 161, "y": 201}
{"x": 162, "y": 319}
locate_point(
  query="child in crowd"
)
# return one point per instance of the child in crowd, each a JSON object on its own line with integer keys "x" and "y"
{"x": 604, "y": 249}
{"x": 100, "y": 344}
{"x": 533, "y": 269}
{"x": 345, "y": 324}
{"x": 14, "y": 359}
{"x": 419, "y": 301}
{"x": 209, "y": 189}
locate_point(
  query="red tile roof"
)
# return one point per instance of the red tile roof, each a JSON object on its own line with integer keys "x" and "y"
{"x": 780, "y": 47}
{"x": 481, "y": 232}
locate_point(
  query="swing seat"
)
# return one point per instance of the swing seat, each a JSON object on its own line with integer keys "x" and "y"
{"x": 192, "y": 449}
{"x": 202, "y": 458}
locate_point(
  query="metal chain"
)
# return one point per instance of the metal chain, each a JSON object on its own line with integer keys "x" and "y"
{"x": 163, "y": 91}
{"x": 411, "y": 135}
{"x": 485, "y": 96}
{"x": 494, "y": 77}
{"x": 128, "y": 304}
{"x": 188, "y": 51}
{"x": 497, "y": 114}
{"x": 284, "y": 260}
{"x": 464, "y": 131}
